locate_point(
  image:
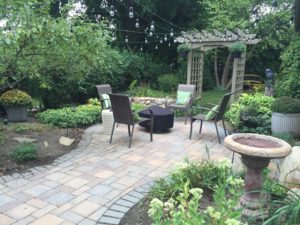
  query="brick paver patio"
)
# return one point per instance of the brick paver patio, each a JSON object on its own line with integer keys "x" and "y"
{"x": 80, "y": 186}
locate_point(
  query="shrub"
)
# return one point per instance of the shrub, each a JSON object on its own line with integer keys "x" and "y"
{"x": 182, "y": 207}
{"x": 288, "y": 82}
{"x": 261, "y": 104}
{"x": 286, "y": 104}
{"x": 68, "y": 117}
{"x": 24, "y": 152}
{"x": 204, "y": 174}
{"x": 168, "y": 82}
{"x": 15, "y": 97}
{"x": 252, "y": 121}
{"x": 145, "y": 91}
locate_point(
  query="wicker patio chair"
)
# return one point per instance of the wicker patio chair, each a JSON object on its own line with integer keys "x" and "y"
{"x": 216, "y": 115}
{"x": 185, "y": 107}
{"x": 103, "y": 89}
{"x": 123, "y": 114}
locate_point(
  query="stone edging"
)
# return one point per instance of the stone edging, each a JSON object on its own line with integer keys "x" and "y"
{"x": 151, "y": 100}
{"x": 114, "y": 214}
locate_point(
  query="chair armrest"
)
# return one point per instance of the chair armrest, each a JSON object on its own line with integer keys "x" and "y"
{"x": 206, "y": 109}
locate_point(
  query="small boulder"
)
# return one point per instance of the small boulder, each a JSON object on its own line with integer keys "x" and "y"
{"x": 25, "y": 140}
{"x": 65, "y": 141}
{"x": 297, "y": 143}
{"x": 290, "y": 170}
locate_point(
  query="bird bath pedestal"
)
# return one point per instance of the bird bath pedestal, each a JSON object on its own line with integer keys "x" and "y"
{"x": 256, "y": 150}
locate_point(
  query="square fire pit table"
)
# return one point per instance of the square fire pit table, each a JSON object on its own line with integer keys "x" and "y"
{"x": 163, "y": 119}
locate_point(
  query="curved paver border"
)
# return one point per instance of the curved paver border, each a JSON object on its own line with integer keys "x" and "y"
{"x": 115, "y": 213}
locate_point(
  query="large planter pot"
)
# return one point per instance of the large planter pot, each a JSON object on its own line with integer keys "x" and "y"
{"x": 286, "y": 123}
{"x": 16, "y": 114}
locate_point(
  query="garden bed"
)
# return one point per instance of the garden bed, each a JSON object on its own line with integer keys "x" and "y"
{"x": 46, "y": 139}
{"x": 138, "y": 214}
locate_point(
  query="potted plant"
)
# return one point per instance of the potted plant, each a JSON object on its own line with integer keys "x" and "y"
{"x": 16, "y": 102}
{"x": 237, "y": 49}
{"x": 183, "y": 50}
{"x": 286, "y": 116}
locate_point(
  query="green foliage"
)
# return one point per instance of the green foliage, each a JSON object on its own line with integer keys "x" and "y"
{"x": 286, "y": 104}
{"x": 183, "y": 206}
{"x": 252, "y": 121}
{"x": 15, "y": 97}
{"x": 204, "y": 174}
{"x": 20, "y": 129}
{"x": 68, "y": 117}
{"x": 168, "y": 82}
{"x": 212, "y": 96}
{"x": 137, "y": 107}
{"x": 94, "y": 101}
{"x": 237, "y": 47}
{"x": 286, "y": 137}
{"x": 273, "y": 187}
{"x": 288, "y": 213}
{"x": 289, "y": 82}
{"x": 24, "y": 152}
{"x": 184, "y": 47}
{"x": 260, "y": 106}
{"x": 145, "y": 91}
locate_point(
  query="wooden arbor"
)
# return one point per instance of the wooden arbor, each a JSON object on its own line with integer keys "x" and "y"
{"x": 200, "y": 42}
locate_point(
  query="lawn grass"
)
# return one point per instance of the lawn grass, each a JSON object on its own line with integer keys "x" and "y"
{"x": 212, "y": 96}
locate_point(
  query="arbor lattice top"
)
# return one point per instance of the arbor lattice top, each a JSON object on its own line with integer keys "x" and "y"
{"x": 226, "y": 38}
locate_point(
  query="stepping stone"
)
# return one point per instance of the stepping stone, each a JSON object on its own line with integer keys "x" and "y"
{"x": 23, "y": 140}
{"x": 65, "y": 141}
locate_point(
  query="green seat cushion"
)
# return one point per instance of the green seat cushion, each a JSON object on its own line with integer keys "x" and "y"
{"x": 106, "y": 101}
{"x": 211, "y": 114}
{"x": 183, "y": 97}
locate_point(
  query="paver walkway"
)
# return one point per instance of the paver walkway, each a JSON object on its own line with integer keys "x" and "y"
{"x": 79, "y": 186}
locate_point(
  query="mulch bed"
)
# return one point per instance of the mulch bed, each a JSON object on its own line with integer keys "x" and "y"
{"x": 46, "y": 152}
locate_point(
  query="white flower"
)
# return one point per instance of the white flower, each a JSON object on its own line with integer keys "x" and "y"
{"x": 233, "y": 222}
{"x": 237, "y": 182}
{"x": 224, "y": 163}
{"x": 196, "y": 192}
{"x": 213, "y": 213}
{"x": 155, "y": 206}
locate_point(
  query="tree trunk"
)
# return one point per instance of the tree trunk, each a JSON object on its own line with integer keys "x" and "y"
{"x": 225, "y": 73}
{"x": 216, "y": 68}
{"x": 297, "y": 15}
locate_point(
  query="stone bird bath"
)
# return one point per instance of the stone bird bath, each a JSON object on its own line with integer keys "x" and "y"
{"x": 256, "y": 150}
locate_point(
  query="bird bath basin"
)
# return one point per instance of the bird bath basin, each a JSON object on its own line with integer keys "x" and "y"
{"x": 256, "y": 150}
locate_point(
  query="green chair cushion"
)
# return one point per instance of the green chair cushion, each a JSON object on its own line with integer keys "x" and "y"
{"x": 183, "y": 97}
{"x": 106, "y": 101}
{"x": 211, "y": 114}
